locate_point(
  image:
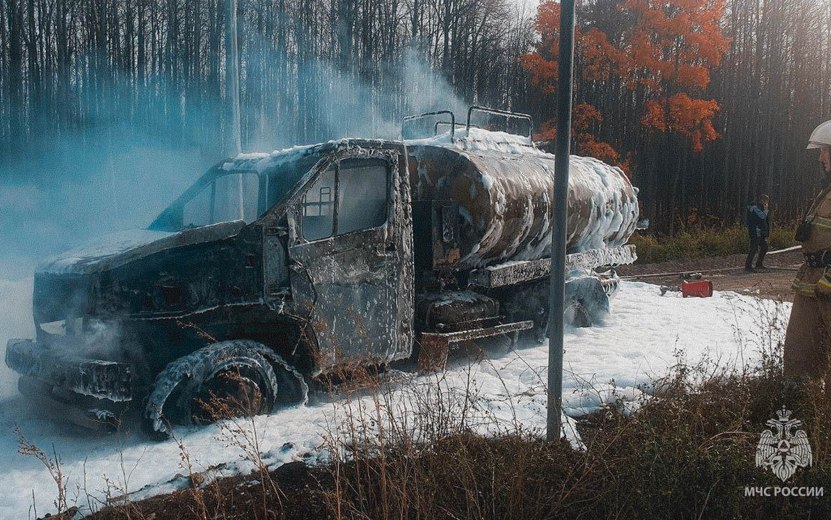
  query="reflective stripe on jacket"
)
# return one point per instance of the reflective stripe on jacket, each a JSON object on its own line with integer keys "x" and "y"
{"x": 819, "y": 216}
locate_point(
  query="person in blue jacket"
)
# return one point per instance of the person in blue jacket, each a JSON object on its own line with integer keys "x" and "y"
{"x": 758, "y": 227}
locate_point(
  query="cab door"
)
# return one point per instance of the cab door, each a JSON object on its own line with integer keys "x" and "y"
{"x": 350, "y": 257}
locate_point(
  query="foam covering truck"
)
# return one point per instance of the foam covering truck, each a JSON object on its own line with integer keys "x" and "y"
{"x": 275, "y": 270}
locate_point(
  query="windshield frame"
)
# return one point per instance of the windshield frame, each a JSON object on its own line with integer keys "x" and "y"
{"x": 171, "y": 219}
{"x": 280, "y": 169}
{"x": 285, "y": 167}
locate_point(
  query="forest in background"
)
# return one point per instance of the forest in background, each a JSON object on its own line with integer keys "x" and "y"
{"x": 705, "y": 103}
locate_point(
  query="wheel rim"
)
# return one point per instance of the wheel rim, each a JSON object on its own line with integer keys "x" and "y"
{"x": 226, "y": 395}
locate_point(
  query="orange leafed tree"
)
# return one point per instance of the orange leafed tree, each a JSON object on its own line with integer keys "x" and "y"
{"x": 596, "y": 51}
{"x": 691, "y": 118}
{"x": 671, "y": 49}
{"x": 542, "y": 64}
{"x": 665, "y": 53}
{"x": 583, "y": 116}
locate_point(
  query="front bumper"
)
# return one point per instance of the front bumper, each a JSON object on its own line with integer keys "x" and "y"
{"x": 94, "y": 378}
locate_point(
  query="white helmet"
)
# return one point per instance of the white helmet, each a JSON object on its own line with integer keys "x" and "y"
{"x": 821, "y": 136}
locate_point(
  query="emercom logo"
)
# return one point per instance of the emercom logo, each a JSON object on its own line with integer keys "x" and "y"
{"x": 783, "y": 452}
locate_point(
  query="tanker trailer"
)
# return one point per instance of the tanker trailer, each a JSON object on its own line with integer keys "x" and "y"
{"x": 482, "y": 203}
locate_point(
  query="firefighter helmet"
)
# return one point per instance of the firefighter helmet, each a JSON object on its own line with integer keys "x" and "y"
{"x": 821, "y": 136}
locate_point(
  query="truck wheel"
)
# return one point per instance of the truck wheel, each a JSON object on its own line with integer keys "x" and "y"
{"x": 587, "y": 303}
{"x": 241, "y": 388}
{"x": 228, "y": 379}
{"x": 529, "y": 302}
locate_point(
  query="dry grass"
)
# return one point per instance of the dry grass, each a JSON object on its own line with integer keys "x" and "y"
{"x": 413, "y": 450}
{"x": 704, "y": 243}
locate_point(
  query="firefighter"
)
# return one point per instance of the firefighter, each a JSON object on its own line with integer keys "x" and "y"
{"x": 758, "y": 228}
{"x": 809, "y": 329}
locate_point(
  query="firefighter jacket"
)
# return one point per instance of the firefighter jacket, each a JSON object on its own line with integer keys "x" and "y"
{"x": 819, "y": 240}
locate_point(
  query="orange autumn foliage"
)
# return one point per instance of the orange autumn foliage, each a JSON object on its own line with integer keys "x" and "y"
{"x": 542, "y": 64}
{"x": 666, "y": 52}
{"x": 691, "y": 118}
{"x": 674, "y": 44}
{"x": 583, "y": 116}
{"x": 600, "y": 58}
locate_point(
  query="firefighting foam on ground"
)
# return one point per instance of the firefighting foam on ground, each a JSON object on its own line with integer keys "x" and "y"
{"x": 455, "y": 253}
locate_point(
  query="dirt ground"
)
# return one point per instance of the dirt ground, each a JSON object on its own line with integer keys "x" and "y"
{"x": 726, "y": 272}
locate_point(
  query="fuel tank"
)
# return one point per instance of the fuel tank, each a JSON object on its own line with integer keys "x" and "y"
{"x": 489, "y": 200}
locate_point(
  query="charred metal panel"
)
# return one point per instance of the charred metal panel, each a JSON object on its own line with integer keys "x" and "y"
{"x": 512, "y": 273}
{"x": 95, "y": 378}
{"x": 154, "y": 305}
{"x": 58, "y": 297}
{"x": 403, "y": 258}
{"x": 504, "y": 204}
{"x": 183, "y": 279}
{"x": 182, "y": 273}
{"x": 126, "y": 247}
{"x": 355, "y": 289}
{"x": 435, "y": 346}
{"x": 348, "y": 306}
{"x": 435, "y": 311}
{"x": 275, "y": 260}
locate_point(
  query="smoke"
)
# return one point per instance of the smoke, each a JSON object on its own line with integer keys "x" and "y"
{"x": 326, "y": 102}
{"x": 74, "y": 191}
{"x": 15, "y": 322}
{"x": 119, "y": 169}
{"x": 354, "y": 109}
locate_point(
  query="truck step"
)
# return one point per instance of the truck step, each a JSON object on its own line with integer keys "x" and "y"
{"x": 435, "y": 346}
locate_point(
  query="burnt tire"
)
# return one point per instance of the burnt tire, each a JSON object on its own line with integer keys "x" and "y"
{"x": 587, "y": 301}
{"x": 242, "y": 388}
{"x": 529, "y": 302}
{"x": 227, "y": 379}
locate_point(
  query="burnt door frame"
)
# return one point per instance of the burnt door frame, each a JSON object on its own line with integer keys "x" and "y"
{"x": 355, "y": 288}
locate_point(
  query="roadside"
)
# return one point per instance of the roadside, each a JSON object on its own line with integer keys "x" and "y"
{"x": 726, "y": 272}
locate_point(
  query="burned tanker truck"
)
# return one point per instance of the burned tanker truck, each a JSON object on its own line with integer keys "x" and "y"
{"x": 275, "y": 269}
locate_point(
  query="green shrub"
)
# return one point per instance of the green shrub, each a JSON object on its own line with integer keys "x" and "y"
{"x": 781, "y": 237}
{"x": 704, "y": 243}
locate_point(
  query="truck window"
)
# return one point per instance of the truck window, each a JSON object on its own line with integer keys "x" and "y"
{"x": 362, "y": 194}
{"x": 318, "y": 207}
{"x": 228, "y": 198}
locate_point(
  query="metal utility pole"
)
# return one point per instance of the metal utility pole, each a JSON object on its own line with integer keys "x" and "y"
{"x": 560, "y": 223}
{"x": 233, "y": 141}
